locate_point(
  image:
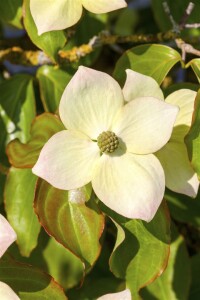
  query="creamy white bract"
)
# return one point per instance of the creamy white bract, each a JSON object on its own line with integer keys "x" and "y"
{"x": 7, "y": 237}
{"x": 60, "y": 14}
{"x": 124, "y": 295}
{"x": 130, "y": 180}
{"x": 179, "y": 174}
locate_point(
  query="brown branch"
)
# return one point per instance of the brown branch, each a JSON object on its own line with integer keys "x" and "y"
{"x": 186, "y": 14}
{"x": 104, "y": 38}
{"x": 16, "y": 55}
{"x": 186, "y": 48}
{"x": 74, "y": 54}
{"x": 194, "y": 25}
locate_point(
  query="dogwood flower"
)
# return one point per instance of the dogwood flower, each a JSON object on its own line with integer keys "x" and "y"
{"x": 179, "y": 174}
{"x": 60, "y": 14}
{"x": 124, "y": 295}
{"x": 110, "y": 143}
{"x": 7, "y": 237}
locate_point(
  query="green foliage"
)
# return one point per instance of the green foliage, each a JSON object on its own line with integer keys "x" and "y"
{"x": 175, "y": 281}
{"x": 194, "y": 290}
{"x": 29, "y": 282}
{"x": 195, "y": 64}
{"x": 17, "y": 110}
{"x": 52, "y": 83}
{"x": 152, "y": 60}
{"x": 11, "y": 12}
{"x": 183, "y": 208}
{"x": 82, "y": 226}
{"x": 19, "y": 208}
{"x": 65, "y": 267}
{"x": 141, "y": 250}
{"x": 193, "y": 137}
{"x": 25, "y": 155}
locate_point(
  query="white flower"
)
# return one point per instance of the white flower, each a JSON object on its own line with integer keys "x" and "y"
{"x": 124, "y": 295}
{"x": 60, "y": 14}
{"x": 7, "y": 237}
{"x": 110, "y": 143}
{"x": 179, "y": 174}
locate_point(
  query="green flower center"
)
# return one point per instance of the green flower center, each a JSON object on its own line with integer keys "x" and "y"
{"x": 107, "y": 141}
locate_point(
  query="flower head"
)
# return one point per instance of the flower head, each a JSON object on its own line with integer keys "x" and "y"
{"x": 110, "y": 142}
{"x": 60, "y": 14}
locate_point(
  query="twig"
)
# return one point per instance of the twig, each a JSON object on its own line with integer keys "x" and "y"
{"x": 186, "y": 15}
{"x": 74, "y": 54}
{"x": 17, "y": 55}
{"x": 186, "y": 48}
{"x": 175, "y": 26}
{"x": 194, "y": 25}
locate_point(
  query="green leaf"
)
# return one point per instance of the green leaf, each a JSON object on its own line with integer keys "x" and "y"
{"x": 96, "y": 287}
{"x": 192, "y": 139}
{"x": 181, "y": 85}
{"x": 100, "y": 280}
{"x": 28, "y": 282}
{"x": 65, "y": 267}
{"x": 195, "y": 286}
{"x": 3, "y": 140}
{"x": 19, "y": 208}
{"x": 2, "y": 184}
{"x": 76, "y": 226}
{"x": 152, "y": 60}
{"x": 17, "y": 110}
{"x": 52, "y": 83}
{"x": 126, "y": 22}
{"x": 183, "y": 208}
{"x": 147, "y": 254}
{"x": 11, "y": 12}
{"x": 174, "y": 283}
{"x": 195, "y": 65}
{"x": 25, "y": 155}
{"x": 18, "y": 106}
{"x": 50, "y": 42}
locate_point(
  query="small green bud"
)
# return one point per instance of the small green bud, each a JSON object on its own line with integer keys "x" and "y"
{"x": 107, "y": 141}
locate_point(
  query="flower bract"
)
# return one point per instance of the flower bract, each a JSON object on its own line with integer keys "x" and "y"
{"x": 7, "y": 237}
{"x": 129, "y": 180}
{"x": 180, "y": 176}
{"x": 124, "y": 295}
{"x": 7, "y": 293}
{"x": 56, "y": 15}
